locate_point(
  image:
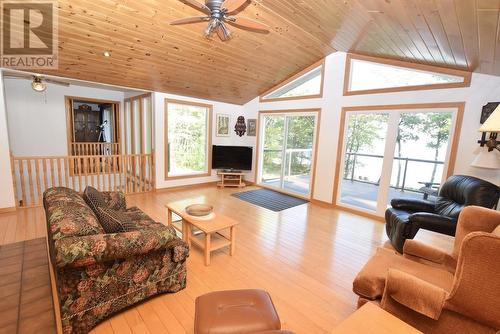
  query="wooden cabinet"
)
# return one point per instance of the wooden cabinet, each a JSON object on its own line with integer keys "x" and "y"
{"x": 231, "y": 179}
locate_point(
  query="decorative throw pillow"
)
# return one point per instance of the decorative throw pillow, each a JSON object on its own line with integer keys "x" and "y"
{"x": 113, "y": 221}
{"x": 94, "y": 198}
{"x": 115, "y": 200}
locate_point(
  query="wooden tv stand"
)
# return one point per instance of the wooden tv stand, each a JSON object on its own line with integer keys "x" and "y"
{"x": 231, "y": 179}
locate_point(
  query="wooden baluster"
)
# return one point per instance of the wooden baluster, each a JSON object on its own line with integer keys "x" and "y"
{"x": 59, "y": 175}
{"x": 23, "y": 182}
{"x": 114, "y": 162}
{"x": 52, "y": 178}
{"x": 79, "y": 163}
{"x": 100, "y": 175}
{"x": 121, "y": 171}
{"x": 86, "y": 171}
{"x": 30, "y": 183}
{"x": 108, "y": 164}
{"x": 127, "y": 166}
{"x": 150, "y": 174}
{"x": 76, "y": 173}
{"x": 14, "y": 183}
{"x": 37, "y": 178}
{"x": 66, "y": 173}
{"x": 45, "y": 177}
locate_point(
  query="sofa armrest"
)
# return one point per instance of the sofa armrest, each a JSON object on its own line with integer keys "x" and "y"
{"x": 420, "y": 250}
{"x": 434, "y": 222}
{"x": 414, "y": 205}
{"x": 87, "y": 250}
{"x": 413, "y": 293}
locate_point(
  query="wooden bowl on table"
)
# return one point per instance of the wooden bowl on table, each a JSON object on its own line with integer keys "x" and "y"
{"x": 199, "y": 210}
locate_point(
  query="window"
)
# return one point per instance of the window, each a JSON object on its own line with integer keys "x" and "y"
{"x": 365, "y": 75}
{"x": 397, "y": 151}
{"x": 188, "y": 138}
{"x": 306, "y": 84}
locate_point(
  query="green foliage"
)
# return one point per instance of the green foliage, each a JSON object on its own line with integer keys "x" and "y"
{"x": 300, "y": 136}
{"x": 437, "y": 126}
{"x": 362, "y": 131}
{"x": 187, "y": 131}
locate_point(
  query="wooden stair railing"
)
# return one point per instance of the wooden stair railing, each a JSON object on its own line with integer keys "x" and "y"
{"x": 132, "y": 173}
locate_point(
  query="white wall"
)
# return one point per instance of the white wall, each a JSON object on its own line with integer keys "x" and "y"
{"x": 6, "y": 192}
{"x": 483, "y": 89}
{"x": 37, "y": 121}
{"x": 218, "y": 108}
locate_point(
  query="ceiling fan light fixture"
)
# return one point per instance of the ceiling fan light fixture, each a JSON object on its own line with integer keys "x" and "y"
{"x": 218, "y": 14}
{"x": 38, "y": 85}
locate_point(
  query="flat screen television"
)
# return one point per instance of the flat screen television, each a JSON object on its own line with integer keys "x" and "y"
{"x": 232, "y": 157}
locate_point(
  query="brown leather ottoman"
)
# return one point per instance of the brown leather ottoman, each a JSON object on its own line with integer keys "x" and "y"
{"x": 237, "y": 311}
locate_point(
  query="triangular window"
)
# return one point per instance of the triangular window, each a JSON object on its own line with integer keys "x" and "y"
{"x": 307, "y": 84}
{"x": 367, "y": 76}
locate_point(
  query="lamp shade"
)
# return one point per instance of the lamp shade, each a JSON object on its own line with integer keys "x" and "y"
{"x": 492, "y": 124}
{"x": 485, "y": 159}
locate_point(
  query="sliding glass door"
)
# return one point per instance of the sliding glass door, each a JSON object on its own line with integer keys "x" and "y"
{"x": 287, "y": 151}
{"x": 365, "y": 142}
{"x": 396, "y": 153}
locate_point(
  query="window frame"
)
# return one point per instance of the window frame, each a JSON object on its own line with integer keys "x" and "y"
{"x": 317, "y": 64}
{"x": 209, "y": 108}
{"x": 448, "y": 169}
{"x": 398, "y": 63}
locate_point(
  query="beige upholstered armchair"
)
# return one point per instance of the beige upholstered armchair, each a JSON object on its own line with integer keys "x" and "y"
{"x": 437, "y": 292}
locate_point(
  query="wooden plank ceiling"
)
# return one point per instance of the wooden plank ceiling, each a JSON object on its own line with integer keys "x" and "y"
{"x": 148, "y": 53}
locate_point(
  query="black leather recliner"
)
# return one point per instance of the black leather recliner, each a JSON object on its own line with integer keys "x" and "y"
{"x": 407, "y": 216}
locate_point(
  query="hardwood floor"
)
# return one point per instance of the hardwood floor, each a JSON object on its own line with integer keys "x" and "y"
{"x": 306, "y": 257}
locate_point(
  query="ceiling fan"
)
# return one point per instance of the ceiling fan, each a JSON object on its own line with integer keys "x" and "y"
{"x": 38, "y": 83}
{"x": 218, "y": 14}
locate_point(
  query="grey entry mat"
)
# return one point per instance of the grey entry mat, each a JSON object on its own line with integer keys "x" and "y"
{"x": 270, "y": 199}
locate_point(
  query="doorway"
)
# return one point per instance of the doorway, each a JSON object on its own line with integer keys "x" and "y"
{"x": 388, "y": 152}
{"x": 287, "y": 150}
{"x": 93, "y": 126}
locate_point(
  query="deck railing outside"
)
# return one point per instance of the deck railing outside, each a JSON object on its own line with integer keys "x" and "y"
{"x": 288, "y": 159}
{"x": 401, "y": 187}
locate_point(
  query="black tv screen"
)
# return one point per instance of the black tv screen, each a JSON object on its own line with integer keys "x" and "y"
{"x": 232, "y": 157}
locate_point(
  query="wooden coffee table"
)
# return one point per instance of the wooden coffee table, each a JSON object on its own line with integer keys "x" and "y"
{"x": 209, "y": 237}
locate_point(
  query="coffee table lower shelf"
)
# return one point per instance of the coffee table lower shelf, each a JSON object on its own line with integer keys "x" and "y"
{"x": 204, "y": 234}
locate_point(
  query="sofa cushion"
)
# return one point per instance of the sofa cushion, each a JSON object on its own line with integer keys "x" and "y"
{"x": 94, "y": 198}
{"x": 113, "y": 221}
{"x": 68, "y": 215}
{"x": 370, "y": 281}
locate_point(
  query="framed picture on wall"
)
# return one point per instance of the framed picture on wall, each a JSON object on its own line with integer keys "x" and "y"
{"x": 222, "y": 125}
{"x": 252, "y": 127}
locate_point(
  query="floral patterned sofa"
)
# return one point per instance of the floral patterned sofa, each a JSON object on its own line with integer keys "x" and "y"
{"x": 99, "y": 274}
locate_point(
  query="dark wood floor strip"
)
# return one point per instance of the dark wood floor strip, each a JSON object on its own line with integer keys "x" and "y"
{"x": 25, "y": 292}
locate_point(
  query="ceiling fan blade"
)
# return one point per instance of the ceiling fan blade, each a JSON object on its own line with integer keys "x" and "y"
{"x": 192, "y": 19}
{"x": 56, "y": 82}
{"x": 247, "y": 23}
{"x": 198, "y": 5}
{"x": 232, "y": 5}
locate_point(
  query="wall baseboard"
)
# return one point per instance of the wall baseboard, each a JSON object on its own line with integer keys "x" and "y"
{"x": 187, "y": 186}
{"x": 8, "y": 210}
{"x": 321, "y": 203}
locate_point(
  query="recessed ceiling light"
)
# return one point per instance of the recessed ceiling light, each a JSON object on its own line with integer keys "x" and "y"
{"x": 107, "y": 54}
